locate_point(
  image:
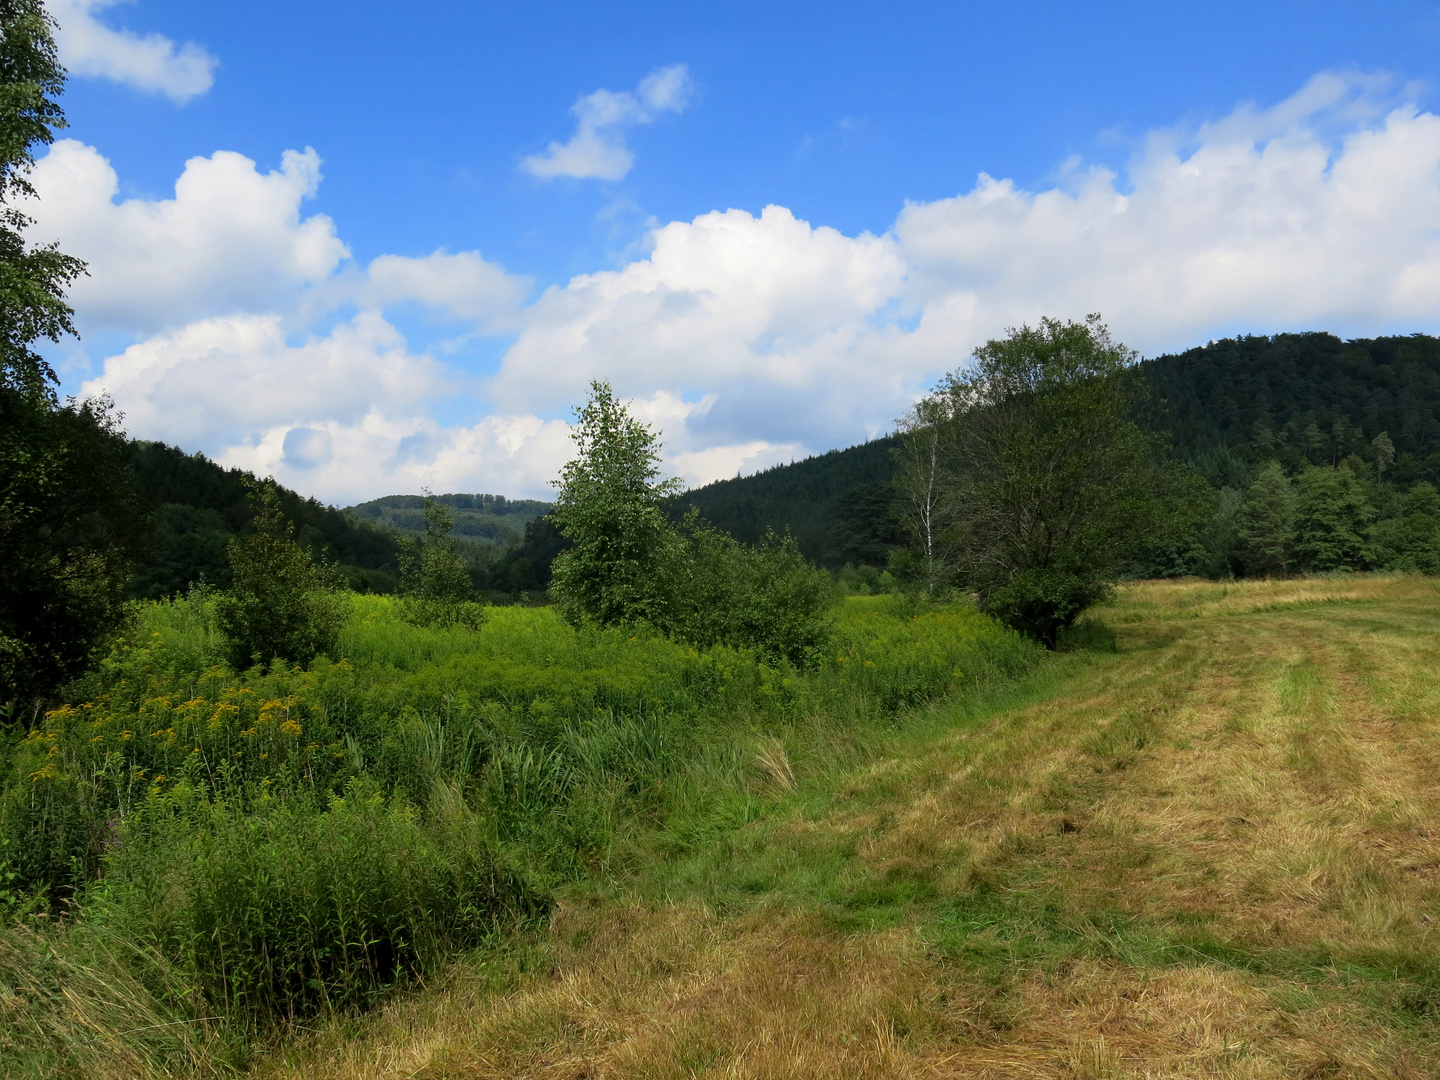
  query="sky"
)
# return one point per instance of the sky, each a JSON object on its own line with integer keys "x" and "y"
{"x": 369, "y": 249}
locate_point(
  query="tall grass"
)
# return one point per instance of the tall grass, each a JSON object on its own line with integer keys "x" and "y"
{"x": 290, "y": 843}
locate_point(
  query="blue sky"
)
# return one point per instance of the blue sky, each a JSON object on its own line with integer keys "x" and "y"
{"x": 749, "y": 338}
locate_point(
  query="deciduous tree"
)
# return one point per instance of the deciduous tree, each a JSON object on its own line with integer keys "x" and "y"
{"x": 435, "y": 586}
{"x": 70, "y": 523}
{"x": 282, "y": 605}
{"x": 1051, "y": 484}
{"x": 611, "y": 508}
{"x": 1332, "y": 521}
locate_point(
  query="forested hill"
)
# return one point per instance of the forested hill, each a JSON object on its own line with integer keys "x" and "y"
{"x": 486, "y": 519}
{"x": 1301, "y": 397}
{"x": 1227, "y": 406}
{"x": 838, "y": 506}
{"x": 197, "y": 506}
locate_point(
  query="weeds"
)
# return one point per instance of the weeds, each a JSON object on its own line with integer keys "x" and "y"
{"x": 283, "y": 844}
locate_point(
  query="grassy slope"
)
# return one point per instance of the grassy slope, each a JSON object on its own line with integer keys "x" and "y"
{"x": 1215, "y": 853}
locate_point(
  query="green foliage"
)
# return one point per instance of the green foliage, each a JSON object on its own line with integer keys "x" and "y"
{"x": 199, "y": 507}
{"x": 1304, "y": 399}
{"x": 840, "y": 506}
{"x": 1050, "y": 485}
{"x": 1411, "y": 539}
{"x": 628, "y": 566}
{"x": 281, "y": 605}
{"x": 766, "y": 597}
{"x": 70, "y": 531}
{"x": 926, "y": 506}
{"x": 67, "y": 520}
{"x": 1173, "y": 543}
{"x": 32, "y": 279}
{"x": 1227, "y": 408}
{"x": 1332, "y": 521}
{"x": 282, "y": 910}
{"x": 611, "y": 509}
{"x": 1266, "y": 524}
{"x": 434, "y": 583}
{"x": 273, "y": 844}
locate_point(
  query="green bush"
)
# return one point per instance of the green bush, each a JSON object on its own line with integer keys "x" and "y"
{"x": 281, "y": 605}
{"x": 768, "y": 598}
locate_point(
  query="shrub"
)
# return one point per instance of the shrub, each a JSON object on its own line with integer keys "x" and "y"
{"x": 767, "y": 598}
{"x": 281, "y": 604}
{"x": 435, "y": 586}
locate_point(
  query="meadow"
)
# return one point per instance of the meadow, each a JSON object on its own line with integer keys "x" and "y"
{"x": 1212, "y": 852}
{"x": 200, "y": 863}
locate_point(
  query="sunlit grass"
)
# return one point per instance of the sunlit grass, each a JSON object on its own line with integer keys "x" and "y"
{"x": 1210, "y": 854}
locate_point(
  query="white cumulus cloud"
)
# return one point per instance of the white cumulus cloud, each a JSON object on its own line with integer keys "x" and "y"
{"x": 1322, "y": 212}
{"x": 219, "y": 382}
{"x": 387, "y": 453}
{"x": 153, "y": 63}
{"x": 231, "y": 239}
{"x": 463, "y": 285}
{"x": 597, "y": 149}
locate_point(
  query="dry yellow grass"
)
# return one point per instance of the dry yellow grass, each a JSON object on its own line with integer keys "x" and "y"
{"x": 1215, "y": 854}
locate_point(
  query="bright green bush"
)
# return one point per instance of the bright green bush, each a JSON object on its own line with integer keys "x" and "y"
{"x": 767, "y": 598}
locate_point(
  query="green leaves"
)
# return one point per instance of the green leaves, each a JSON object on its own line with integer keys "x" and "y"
{"x": 611, "y": 509}
{"x": 1266, "y": 526}
{"x": 1047, "y": 486}
{"x": 627, "y": 565}
{"x": 32, "y": 279}
{"x": 71, "y": 527}
{"x": 281, "y": 604}
{"x": 435, "y": 586}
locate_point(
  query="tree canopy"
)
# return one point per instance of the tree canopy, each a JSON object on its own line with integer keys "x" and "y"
{"x": 33, "y": 278}
{"x": 1050, "y": 483}
{"x": 611, "y": 507}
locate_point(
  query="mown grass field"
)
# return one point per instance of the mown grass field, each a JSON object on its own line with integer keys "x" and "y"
{"x": 1214, "y": 852}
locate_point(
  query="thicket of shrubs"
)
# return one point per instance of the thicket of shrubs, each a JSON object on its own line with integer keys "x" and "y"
{"x": 628, "y": 565}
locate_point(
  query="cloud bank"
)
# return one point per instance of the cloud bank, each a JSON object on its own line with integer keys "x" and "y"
{"x": 153, "y": 63}
{"x": 749, "y": 338}
{"x": 597, "y": 150}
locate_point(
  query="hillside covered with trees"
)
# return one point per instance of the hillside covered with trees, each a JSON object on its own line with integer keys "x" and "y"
{"x": 195, "y": 507}
{"x": 485, "y": 519}
{"x": 1226, "y": 408}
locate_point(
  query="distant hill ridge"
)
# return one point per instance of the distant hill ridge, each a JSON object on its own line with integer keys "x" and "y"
{"x": 1227, "y": 407}
{"x": 489, "y": 519}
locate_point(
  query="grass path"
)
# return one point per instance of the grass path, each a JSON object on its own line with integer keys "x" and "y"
{"x": 1215, "y": 853}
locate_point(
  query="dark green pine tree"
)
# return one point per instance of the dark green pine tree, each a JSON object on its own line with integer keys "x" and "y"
{"x": 1266, "y": 525}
